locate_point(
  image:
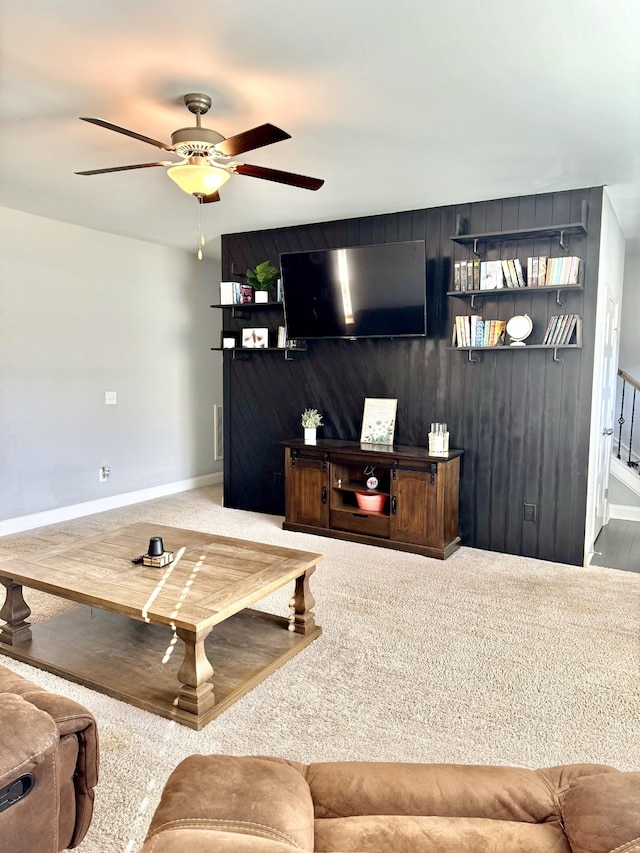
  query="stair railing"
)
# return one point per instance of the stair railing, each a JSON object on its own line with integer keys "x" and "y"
{"x": 630, "y": 388}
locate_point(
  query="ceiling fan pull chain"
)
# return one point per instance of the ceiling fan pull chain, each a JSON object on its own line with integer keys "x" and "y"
{"x": 200, "y": 227}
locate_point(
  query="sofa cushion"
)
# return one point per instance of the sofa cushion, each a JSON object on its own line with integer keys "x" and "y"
{"x": 211, "y": 791}
{"x": 408, "y": 834}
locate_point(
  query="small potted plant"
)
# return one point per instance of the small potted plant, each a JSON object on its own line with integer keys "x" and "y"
{"x": 262, "y": 279}
{"x": 311, "y": 419}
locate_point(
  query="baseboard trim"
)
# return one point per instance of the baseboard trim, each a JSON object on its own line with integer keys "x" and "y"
{"x": 624, "y": 513}
{"x": 66, "y": 513}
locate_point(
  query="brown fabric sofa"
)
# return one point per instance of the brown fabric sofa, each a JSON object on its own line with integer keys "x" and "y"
{"x": 268, "y": 805}
{"x": 48, "y": 768}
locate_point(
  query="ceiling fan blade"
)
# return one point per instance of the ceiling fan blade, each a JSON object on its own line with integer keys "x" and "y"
{"x": 207, "y": 199}
{"x": 280, "y": 177}
{"x": 257, "y": 137}
{"x": 102, "y": 123}
{"x": 126, "y": 168}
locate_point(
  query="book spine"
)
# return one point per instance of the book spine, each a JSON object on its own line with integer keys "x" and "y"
{"x": 547, "y": 333}
{"x": 476, "y": 275}
{"x": 557, "y": 335}
{"x": 512, "y": 273}
{"x": 519, "y": 273}
{"x": 500, "y": 332}
{"x": 456, "y": 275}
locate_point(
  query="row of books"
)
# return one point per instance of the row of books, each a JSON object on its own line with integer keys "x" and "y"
{"x": 235, "y": 293}
{"x": 493, "y": 275}
{"x": 473, "y": 331}
{"x": 543, "y": 271}
{"x": 561, "y": 328}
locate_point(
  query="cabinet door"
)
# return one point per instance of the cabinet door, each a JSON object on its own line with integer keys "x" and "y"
{"x": 414, "y": 508}
{"x": 306, "y": 488}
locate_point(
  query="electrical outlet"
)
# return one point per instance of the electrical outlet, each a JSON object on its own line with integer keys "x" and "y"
{"x": 103, "y": 473}
{"x": 110, "y": 398}
{"x": 530, "y": 512}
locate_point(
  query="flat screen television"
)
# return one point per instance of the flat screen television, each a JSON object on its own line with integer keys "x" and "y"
{"x": 356, "y": 292}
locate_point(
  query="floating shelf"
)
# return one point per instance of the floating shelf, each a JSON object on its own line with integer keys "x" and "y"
{"x": 520, "y": 233}
{"x": 240, "y": 353}
{"x": 515, "y": 291}
{"x": 509, "y": 348}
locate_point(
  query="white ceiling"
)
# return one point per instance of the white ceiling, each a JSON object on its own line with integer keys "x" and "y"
{"x": 398, "y": 105}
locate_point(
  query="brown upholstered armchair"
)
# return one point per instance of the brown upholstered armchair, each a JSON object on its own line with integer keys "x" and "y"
{"x": 48, "y": 768}
{"x": 268, "y": 805}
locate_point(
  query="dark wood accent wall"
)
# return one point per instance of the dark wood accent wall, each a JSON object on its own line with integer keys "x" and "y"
{"x": 521, "y": 418}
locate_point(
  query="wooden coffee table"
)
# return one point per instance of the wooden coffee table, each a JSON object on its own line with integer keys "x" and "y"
{"x": 123, "y": 638}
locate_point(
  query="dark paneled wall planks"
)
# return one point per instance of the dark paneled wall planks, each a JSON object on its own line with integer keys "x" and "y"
{"x": 521, "y": 418}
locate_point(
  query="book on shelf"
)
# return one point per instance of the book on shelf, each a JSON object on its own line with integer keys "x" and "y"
{"x": 456, "y": 275}
{"x": 491, "y": 275}
{"x": 542, "y": 270}
{"x": 519, "y": 272}
{"x": 469, "y": 279}
{"x": 550, "y": 329}
{"x": 227, "y": 292}
{"x": 476, "y": 275}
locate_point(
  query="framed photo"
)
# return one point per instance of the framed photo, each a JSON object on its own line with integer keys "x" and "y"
{"x": 255, "y": 338}
{"x": 228, "y": 340}
{"x": 378, "y": 421}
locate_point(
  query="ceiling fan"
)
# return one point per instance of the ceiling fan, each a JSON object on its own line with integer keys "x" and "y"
{"x": 206, "y": 155}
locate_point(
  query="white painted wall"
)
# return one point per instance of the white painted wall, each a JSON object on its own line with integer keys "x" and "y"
{"x": 610, "y": 281}
{"x": 630, "y": 351}
{"x": 83, "y": 312}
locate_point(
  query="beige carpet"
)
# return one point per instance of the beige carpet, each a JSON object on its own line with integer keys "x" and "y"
{"x": 483, "y": 658}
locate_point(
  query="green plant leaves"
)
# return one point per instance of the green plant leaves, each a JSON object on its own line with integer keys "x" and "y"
{"x": 263, "y": 277}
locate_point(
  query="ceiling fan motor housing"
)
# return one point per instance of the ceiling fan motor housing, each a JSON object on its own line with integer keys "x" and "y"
{"x": 191, "y": 141}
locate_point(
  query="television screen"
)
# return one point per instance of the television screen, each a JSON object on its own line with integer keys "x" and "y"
{"x": 357, "y": 292}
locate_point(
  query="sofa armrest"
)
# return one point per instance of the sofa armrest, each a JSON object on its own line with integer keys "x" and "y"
{"x": 601, "y": 813}
{"x": 205, "y": 806}
{"x": 28, "y": 749}
{"x": 78, "y": 759}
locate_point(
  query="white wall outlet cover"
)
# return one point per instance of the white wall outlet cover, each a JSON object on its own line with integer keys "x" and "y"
{"x": 110, "y": 398}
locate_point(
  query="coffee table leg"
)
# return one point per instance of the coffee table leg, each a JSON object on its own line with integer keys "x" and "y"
{"x": 302, "y": 618}
{"x": 14, "y": 611}
{"x": 196, "y": 689}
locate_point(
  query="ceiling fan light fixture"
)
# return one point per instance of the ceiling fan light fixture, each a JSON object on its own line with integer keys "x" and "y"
{"x": 198, "y": 179}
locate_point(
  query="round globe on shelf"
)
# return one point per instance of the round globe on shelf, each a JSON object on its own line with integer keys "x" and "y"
{"x": 519, "y": 328}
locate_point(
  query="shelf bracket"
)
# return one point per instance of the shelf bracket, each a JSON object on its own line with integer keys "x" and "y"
{"x": 473, "y": 304}
{"x": 563, "y": 244}
{"x": 475, "y": 248}
{"x": 555, "y": 356}
{"x": 558, "y": 300}
{"x": 473, "y": 360}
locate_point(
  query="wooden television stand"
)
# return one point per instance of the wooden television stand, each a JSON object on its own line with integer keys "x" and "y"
{"x": 420, "y": 512}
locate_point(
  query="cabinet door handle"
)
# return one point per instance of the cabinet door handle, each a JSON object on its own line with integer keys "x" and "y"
{"x": 324, "y": 494}
{"x": 393, "y": 505}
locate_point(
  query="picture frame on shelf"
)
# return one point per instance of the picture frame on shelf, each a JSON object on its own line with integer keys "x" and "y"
{"x": 228, "y": 340}
{"x": 378, "y": 420}
{"x": 255, "y": 338}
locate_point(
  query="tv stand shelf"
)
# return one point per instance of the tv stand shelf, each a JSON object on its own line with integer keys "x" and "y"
{"x": 422, "y": 494}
